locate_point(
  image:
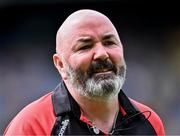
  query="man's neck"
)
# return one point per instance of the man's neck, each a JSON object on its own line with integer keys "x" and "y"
{"x": 102, "y": 114}
{"x": 98, "y": 109}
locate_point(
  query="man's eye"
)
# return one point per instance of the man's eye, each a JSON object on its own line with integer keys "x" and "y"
{"x": 106, "y": 43}
{"x": 85, "y": 47}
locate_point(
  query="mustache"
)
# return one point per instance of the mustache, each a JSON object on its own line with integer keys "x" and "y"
{"x": 100, "y": 65}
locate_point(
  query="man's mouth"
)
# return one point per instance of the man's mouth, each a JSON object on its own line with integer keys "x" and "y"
{"x": 103, "y": 71}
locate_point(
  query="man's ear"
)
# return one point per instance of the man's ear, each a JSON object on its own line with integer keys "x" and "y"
{"x": 59, "y": 65}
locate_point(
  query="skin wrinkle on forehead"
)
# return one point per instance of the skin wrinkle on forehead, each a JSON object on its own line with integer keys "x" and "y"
{"x": 73, "y": 21}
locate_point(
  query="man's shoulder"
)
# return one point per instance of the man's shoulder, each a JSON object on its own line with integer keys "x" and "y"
{"x": 151, "y": 115}
{"x": 43, "y": 102}
{"x": 141, "y": 106}
{"x": 145, "y": 109}
{"x": 36, "y": 118}
{"x": 38, "y": 106}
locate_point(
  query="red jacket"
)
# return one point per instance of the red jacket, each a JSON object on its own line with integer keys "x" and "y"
{"x": 58, "y": 113}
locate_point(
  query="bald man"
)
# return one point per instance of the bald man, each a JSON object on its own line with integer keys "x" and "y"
{"x": 89, "y": 99}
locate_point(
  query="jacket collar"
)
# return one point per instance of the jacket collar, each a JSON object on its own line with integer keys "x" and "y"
{"x": 64, "y": 103}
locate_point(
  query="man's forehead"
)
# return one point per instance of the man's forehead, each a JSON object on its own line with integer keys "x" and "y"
{"x": 83, "y": 20}
{"x": 87, "y": 25}
{"x": 80, "y": 17}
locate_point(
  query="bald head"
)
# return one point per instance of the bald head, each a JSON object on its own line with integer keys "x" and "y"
{"x": 85, "y": 39}
{"x": 80, "y": 16}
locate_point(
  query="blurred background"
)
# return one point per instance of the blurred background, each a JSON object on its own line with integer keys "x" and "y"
{"x": 150, "y": 33}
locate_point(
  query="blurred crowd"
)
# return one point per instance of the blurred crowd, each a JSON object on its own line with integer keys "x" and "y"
{"x": 152, "y": 57}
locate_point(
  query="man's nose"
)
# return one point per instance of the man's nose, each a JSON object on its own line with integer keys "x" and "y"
{"x": 100, "y": 52}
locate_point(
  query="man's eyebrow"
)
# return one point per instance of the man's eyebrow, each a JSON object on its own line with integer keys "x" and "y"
{"x": 80, "y": 40}
{"x": 109, "y": 36}
{"x": 90, "y": 39}
{"x": 84, "y": 39}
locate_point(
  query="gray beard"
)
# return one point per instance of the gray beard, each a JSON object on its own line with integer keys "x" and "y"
{"x": 103, "y": 88}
